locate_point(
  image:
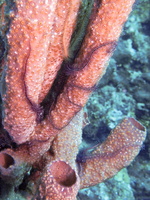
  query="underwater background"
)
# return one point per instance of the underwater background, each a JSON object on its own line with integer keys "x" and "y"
{"x": 124, "y": 91}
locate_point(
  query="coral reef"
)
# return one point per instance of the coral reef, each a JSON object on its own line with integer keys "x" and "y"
{"x": 48, "y": 79}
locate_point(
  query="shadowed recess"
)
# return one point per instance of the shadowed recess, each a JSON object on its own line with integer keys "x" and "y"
{"x": 6, "y": 160}
{"x": 63, "y": 174}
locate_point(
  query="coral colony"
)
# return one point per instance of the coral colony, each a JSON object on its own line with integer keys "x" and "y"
{"x": 53, "y": 64}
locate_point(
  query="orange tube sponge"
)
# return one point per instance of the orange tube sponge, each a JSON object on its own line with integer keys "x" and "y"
{"x": 26, "y": 58}
{"x": 118, "y": 151}
{"x": 39, "y": 37}
{"x": 59, "y": 182}
{"x": 13, "y": 167}
{"x": 98, "y": 45}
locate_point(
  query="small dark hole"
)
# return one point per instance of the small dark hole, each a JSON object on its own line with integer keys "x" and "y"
{"x": 6, "y": 160}
{"x": 63, "y": 173}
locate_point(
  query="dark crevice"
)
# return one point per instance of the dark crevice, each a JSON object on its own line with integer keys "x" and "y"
{"x": 79, "y": 33}
{"x": 5, "y": 140}
{"x": 2, "y": 50}
{"x": 146, "y": 27}
{"x": 58, "y": 85}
